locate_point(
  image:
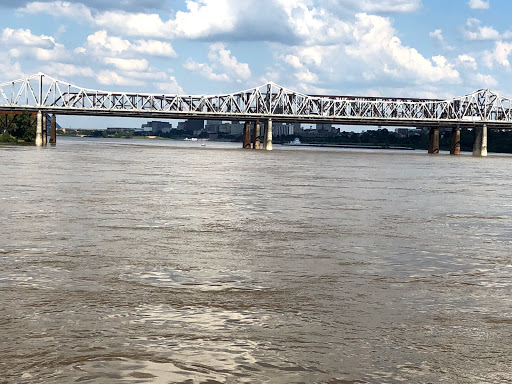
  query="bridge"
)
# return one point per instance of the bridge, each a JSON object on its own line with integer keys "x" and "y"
{"x": 480, "y": 110}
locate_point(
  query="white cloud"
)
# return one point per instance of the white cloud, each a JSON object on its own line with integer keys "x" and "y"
{"x": 486, "y": 81}
{"x": 204, "y": 70}
{"x": 101, "y": 44}
{"x": 66, "y": 71}
{"x": 22, "y": 43}
{"x": 306, "y": 77}
{"x": 222, "y": 67}
{"x": 377, "y": 46}
{"x": 134, "y": 24}
{"x": 128, "y": 64}
{"x": 154, "y": 48}
{"x": 9, "y": 70}
{"x": 24, "y": 37}
{"x": 222, "y": 57}
{"x": 372, "y": 54}
{"x": 206, "y": 18}
{"x": 113, "y": 78}
{"x": 438, "y": 37}
{"x": 502, "y": 51}
{"x": 170, "y": 86}
{"x": 73, "y": 10}
{"x": 479, "y": 4}
{"x": 102, "y": 41}
{"x": 349, "y": 7}
{"x": 400, "y": 6}
{"x": 475, "y": 31}
{"x": 467, "y": 60}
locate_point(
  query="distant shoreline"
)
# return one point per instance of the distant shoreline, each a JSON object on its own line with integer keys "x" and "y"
{"x": 356, "y": 146}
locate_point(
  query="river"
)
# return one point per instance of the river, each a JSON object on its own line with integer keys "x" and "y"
{"x": 139, "y": 261}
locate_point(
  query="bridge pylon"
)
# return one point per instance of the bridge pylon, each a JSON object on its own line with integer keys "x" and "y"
{"x": 256, "y": 135}
{"x": 455, "y": 142}
{"x": 267, "y": 145}
{"x": 433, "y": 143}
{"x": 39, "y": 129}
{"x": 247, "y": 135}
{"x": 480, "y": 144}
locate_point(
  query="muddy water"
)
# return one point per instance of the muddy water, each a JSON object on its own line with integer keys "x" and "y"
{"x": 157, "y": 262}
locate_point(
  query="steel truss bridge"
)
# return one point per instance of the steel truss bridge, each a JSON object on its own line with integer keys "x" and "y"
{"x": 270, "y": 101}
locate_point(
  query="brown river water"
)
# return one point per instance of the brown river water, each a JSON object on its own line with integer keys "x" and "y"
{"x": 125, "y": 261}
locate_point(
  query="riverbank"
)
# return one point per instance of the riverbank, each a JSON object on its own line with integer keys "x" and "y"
{"x": 357, "y": 146}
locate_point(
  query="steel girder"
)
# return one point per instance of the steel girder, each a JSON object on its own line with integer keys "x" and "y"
{"x": 42, "y": 92}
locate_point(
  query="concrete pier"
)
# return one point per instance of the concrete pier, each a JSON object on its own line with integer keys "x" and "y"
{"x": 53, "y": 131}
{"x": 455, "y": 142}
{"x": 247, "y": 135}
{"x": 433, "y": 143}
{"x": 480, "y": 144}
{"x": 267, "y": 145}
{"x": 257, "y": 134}
{"x": 39, "y": 129}
{"x": 45, "y": 130}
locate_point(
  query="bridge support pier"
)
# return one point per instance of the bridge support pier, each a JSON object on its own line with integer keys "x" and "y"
{"x": 455, "y": 142}
{"x": 433, "y": 143}
{"x": 39, "y": 129}
{"x": 268, "y": 136}
{"x": 53, "y": 131}
{"x": 480, "y": 144}
{"x": 257, "y": 134}
{"x": 247, "y": 135}
{"x": 45, "y": 130}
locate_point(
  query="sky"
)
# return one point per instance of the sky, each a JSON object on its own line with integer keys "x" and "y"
{"x": 392, "y": 48}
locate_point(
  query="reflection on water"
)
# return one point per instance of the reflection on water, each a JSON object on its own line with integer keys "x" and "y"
{"x": 157, "y": 262}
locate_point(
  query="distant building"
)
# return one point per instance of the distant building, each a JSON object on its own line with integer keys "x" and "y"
{"x": 157, "y": 126}
{"x": 112, "y": 130}
{"x": 283, "y": 129}
{"x": 327, "y": 130}
{"x": 406, "y": 132}
{"x": 194, "y": 126}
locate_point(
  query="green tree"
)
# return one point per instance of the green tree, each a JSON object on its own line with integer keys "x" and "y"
{"x": 20, "y": 126}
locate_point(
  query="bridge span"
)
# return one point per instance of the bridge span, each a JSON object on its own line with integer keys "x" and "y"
{"x": 480, "y": 110}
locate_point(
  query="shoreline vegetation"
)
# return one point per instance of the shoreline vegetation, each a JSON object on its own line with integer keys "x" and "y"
{"x": 20, "y": 128}
{"x": 499, "y": 141}
{"x": 17, "y": 128}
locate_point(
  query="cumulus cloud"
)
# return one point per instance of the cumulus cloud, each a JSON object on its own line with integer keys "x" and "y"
{"x": 10, "y": 70}
{"x": 382, "y": 51}
{"x": 128, "y": 64}
{"x": 467, "y": 60}
{"x": 75, "y": 11}
{"x": 371, "y": 54}
{"x": 438, "y": 38}
{"x": 479, "y": 4}
{"x": 205, "y": 71}
{"x": 475, "y": 31}
{"x": 486, "y": 81}
{"x": 113, "y": 78}
{"x": 102, "y": 43}
{"x": 223, "y": 65}
{"x": 24, "y": 37}
{"x": 66, "y": 71}
{"x": 502, "y": 51}
{"x": 22, "y": 43}
{"x": 222, "y": 57}
{"x": 350, "y": 7}
{"x": 127, "y": 5}
{"x": 170, "y": 86}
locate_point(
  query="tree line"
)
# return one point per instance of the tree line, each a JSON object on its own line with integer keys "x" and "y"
{"x": 17, "y": 127}
{"x": 497, "y": 140}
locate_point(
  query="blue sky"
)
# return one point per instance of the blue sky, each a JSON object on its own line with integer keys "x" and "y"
{"x": 402, "y": 48}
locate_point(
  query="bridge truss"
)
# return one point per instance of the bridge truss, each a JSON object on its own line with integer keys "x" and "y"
{"x": 270, "y": 101}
